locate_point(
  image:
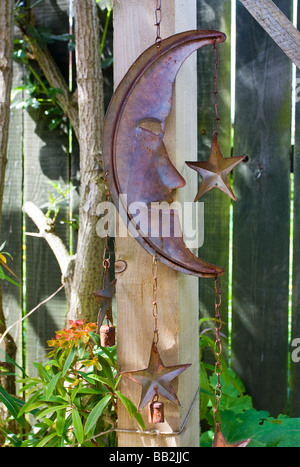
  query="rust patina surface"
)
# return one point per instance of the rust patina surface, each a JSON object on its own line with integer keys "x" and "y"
{"x": 138, "y": 167}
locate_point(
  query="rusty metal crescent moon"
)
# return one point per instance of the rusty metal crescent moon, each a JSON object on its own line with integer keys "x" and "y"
{"x": 135, "y": 158}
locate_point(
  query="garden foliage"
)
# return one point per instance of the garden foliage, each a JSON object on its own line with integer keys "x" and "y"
{"x": 73, "y": 398}
{"x": 240, "y": 420}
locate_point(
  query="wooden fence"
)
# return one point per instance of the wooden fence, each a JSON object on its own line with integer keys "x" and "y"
{"x": 249, "y": 238}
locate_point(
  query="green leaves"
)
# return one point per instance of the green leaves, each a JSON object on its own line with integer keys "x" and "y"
{"x": 73, "y": 396}
{"x": 3, "y": 261}
{"x": 11, "y": 405}
{"x": 240, "y": 420}
{"x": 69, "y": 360}
{"x": 131, "y": 409}
{"x": 52, "y": 385}
{"x": 95, "y": 414}
{"x": 77, "y": 425}
{"x": 263, "y": 430}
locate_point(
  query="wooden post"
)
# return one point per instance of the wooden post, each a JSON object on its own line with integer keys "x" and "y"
{"x": 134, "y": 31}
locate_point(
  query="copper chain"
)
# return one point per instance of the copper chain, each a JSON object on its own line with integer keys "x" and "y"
{"x": 106, "y": 253}
{"x": 218, "y": 350}
{"x": 158, "y": 17}
{"x": 215, "y": 53}
{"x": 218, "y": 290}
{"x": 154, "y": 299}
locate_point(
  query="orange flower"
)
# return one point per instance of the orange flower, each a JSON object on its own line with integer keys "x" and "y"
{"x": 77, "y": 332}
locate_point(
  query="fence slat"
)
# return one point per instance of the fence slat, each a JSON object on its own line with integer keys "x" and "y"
{"x": 261, "y": 214}
{"x": 214, "y": 15}
{"x": 46, "y": 160}
{"x": 11, "y": 228}
{"x": 294, "y": 408}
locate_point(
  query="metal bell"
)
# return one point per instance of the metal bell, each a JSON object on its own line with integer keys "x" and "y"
{"x": 156, "y": 412}
{"x": 107, "y": 335}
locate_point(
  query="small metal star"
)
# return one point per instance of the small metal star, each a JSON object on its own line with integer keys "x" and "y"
{"x": 220, "y": 441}
{"x": 104, "y": 298}
{"x": 156, "y": 378}
{"x": 215, "y": 171}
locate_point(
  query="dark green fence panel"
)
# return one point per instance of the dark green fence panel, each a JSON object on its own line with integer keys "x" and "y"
{"x": 46, "y": 159}
{"x": 261, "y": 214}
{"x": 214, "y": 15}
{"x": 294, "y": 361}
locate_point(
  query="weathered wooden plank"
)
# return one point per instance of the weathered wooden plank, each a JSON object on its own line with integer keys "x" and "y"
{"x": 261, "y": 215}
{"x": 177, "y": 293}
{"x": 280, "y": 28}
{"x": 46, "y": 160}
{"x": 215, "y": 249}
{"x": 294, "y": 402}
{"x": 11, "y": 228}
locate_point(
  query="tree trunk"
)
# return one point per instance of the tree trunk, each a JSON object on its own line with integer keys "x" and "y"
{"x": 6, "y": 72}
{"x": 82, "y": 274}
{"x": 88, "y": 264}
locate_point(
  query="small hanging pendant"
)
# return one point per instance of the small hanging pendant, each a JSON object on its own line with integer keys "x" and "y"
{"x": 156, "y": 412}
{"x": 107, "y": 335}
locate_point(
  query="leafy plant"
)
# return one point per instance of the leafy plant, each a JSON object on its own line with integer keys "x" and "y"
{"x": 3, "y": 264}
{"x": 37, "y": 93}
{"x": 59, "y": 198}
{"x": 240, "y": 420}
{"x": 74, "y": 395}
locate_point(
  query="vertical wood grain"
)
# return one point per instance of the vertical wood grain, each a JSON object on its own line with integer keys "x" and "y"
{"x": 294, "y": 402}
{"x": 261, "y": 214}
{"x": 11, "y": 225}
{"x": 177, "y": 294}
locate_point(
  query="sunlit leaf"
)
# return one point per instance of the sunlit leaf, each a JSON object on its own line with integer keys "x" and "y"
{"x": 51, "y": 409}
{"x": 69, "y": 360}
{"x": 131, "y": 409}
{"x": 52, "y": 385}
{"x": 11, "y": 405}
{"x": 95, "y": 414}
{"x": 46, "y": 440}
{"x": 28, "y": 405}
{"x": 77, "y": 425}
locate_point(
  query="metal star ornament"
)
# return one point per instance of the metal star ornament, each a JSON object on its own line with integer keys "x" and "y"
{"x": 215, "y": 171}
{"x": 104, "y": 298}
{"x": 156, "y": 378}
{"x": 220, "y": 441}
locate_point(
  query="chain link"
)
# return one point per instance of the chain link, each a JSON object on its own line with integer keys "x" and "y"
{"x": 215, "y": 54}
{"x": 106, "y": 253}
{"x": 158, "y": 18}
{"x": 218, "y": 350}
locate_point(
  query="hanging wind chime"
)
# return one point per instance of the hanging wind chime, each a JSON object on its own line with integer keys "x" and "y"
{"x": 156, "y": 378}
{"x": 105, "y": 295}
{"x": 219, "y": 440}
{"x": 145, "y": 95}
{"x": 215, "y": 171}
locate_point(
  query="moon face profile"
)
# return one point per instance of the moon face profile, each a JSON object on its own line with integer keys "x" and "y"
{"x": 138, "y": 167}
